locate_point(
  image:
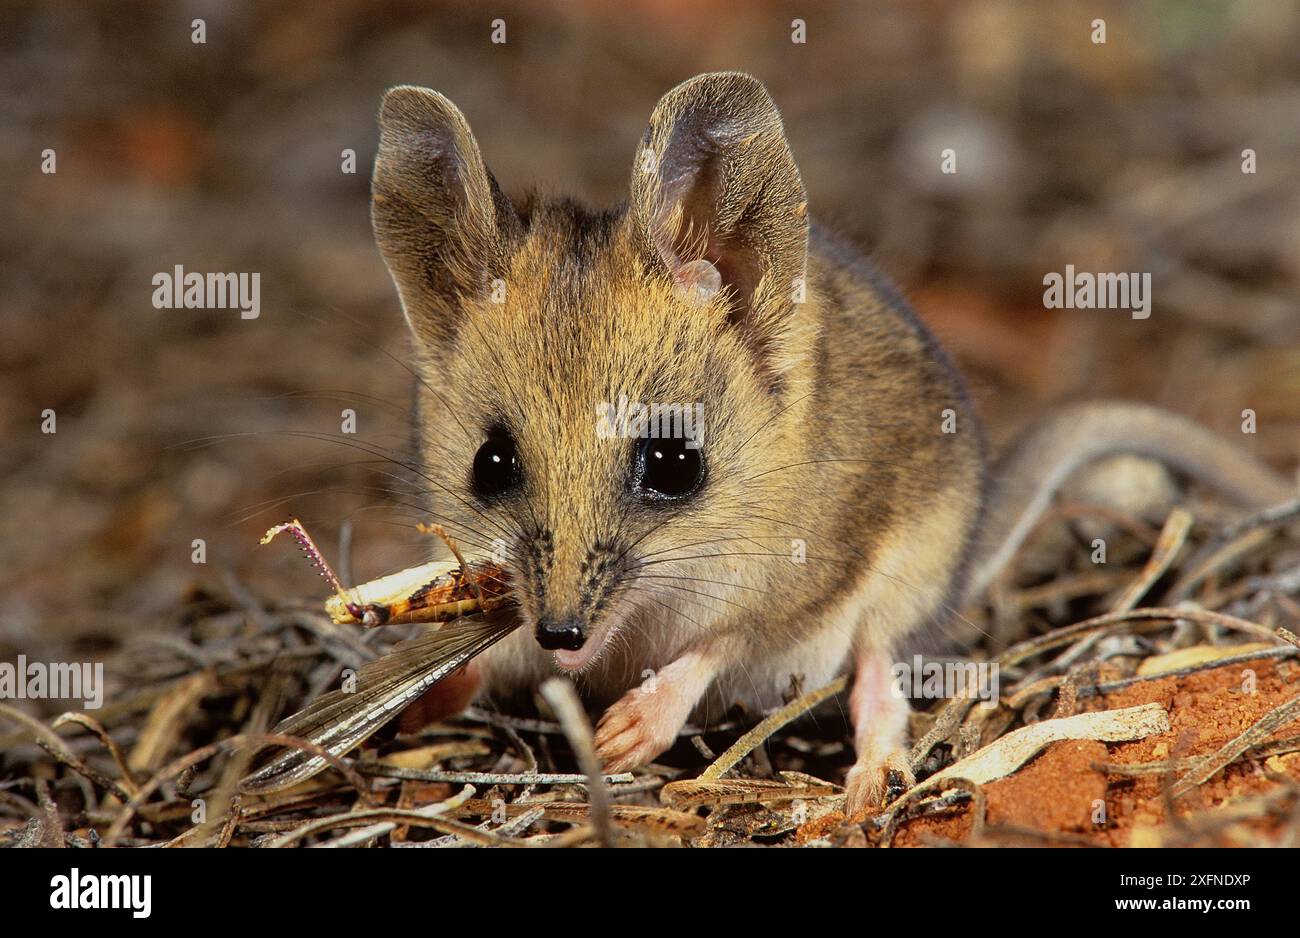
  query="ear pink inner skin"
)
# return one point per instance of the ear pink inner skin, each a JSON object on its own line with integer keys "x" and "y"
{"x": 698, "y": 281}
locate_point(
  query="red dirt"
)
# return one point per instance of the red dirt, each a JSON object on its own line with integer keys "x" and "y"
{"x": 1057, "y": 792}
{"x": 1061, "y": 796}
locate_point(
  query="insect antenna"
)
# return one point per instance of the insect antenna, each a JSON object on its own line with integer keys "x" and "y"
{"x": 299, "y": 533}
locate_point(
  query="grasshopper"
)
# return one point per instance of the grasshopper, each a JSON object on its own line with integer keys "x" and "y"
{"x": 432, "y": 592}
{"x": 435, "y": 593}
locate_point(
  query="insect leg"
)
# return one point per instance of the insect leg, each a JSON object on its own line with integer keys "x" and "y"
{"x": 455, "y": 552}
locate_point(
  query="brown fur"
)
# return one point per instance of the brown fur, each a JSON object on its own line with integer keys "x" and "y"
{"x": 822, "y": 418}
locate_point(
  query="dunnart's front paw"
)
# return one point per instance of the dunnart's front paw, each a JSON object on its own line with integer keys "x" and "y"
{"x": 638, "y": 727}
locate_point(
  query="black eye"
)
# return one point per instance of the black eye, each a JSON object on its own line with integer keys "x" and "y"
{"x": 496, "y": 465}
{"x": 670, "y": 468}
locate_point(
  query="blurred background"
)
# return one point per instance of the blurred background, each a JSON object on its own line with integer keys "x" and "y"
{"x": 176, "y": 425}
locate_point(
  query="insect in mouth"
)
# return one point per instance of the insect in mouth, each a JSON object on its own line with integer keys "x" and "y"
{"x": 433, "y": 592}
{"x": 462, "y": 598}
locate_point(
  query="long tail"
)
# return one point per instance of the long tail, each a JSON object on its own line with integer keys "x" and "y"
{"x": 1025, "y": 480}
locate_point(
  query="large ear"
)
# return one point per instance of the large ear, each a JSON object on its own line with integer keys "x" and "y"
{"x": 715, "y": 182}
{"x": 440, "y": 219}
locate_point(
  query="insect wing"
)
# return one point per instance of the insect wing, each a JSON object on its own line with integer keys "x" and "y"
{"x": 339, "y": 721}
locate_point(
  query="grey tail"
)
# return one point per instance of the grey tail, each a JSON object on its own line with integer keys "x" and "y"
{"x": 1027, "y": 477}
